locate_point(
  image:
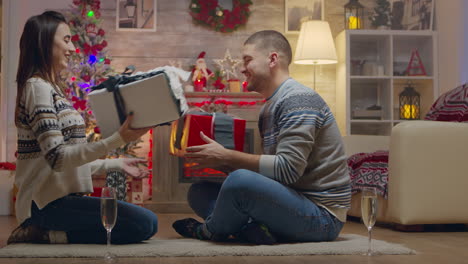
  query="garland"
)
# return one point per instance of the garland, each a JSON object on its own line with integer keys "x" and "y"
{"x": 227, "y": 102}
{"x": 209, "y": 13}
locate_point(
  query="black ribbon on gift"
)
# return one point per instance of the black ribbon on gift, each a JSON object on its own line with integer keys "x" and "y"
{"x": 112, "y": 85}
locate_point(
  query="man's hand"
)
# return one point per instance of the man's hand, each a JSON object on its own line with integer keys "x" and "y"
{"x": 211, "y": 155}
{"x": 130, "y": 167}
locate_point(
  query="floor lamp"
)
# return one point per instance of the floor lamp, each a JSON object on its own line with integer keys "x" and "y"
{"x": 315, "y": 45}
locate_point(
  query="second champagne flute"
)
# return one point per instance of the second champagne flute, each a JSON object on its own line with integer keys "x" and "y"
{"x": 108, "y": 214}
{"x": 369, "y": 211}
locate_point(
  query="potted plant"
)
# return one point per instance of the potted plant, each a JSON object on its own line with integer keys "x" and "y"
{"x": 381, "y": 17}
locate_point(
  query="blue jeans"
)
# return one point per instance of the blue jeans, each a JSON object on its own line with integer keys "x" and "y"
{"x": 80, "y": 218}
{"x": 289, "y": 215}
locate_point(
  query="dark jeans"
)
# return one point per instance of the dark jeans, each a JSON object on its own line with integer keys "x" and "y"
{"x": 247, "y": 195}
{"x": 80, "y": 218}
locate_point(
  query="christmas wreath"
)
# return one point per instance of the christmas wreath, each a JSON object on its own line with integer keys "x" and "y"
{"x": 210, "y": 13}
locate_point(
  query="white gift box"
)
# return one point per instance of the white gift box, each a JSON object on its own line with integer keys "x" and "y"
{"x": 151, "y": 100}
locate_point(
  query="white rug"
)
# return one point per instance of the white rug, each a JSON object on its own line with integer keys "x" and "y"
{"x": 346, "y": 244}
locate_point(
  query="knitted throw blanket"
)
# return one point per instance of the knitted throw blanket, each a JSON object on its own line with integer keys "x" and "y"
{"x": 369, "y": 170}
{"x": 452, "y": 106}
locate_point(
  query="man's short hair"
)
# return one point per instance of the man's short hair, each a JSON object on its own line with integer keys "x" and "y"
{"x": 271, "y": 40}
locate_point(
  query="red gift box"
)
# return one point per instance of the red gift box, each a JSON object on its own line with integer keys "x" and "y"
{"x": 186, "y": 132}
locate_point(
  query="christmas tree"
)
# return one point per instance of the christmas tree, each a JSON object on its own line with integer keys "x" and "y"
{"x": 89, "y": 65}
{"x": 381, "y": 16}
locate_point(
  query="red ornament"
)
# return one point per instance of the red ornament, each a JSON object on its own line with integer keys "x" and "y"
{"x": 97, "y": 14}
{"x": 90, "y": 49}
{"x": 96, "y": 5}
{"x": 75, "y": 37}
{"x": 101, "y": 32}
{"x": 77, "y": 50}
{"x": 86, "y": 78}
{"x": 97, "y": 130}
{"x": 107, "y": 61}
{"x": 104, "y": 43}
{"x": 78, "y": 103}
{"x": 91, "y": 30}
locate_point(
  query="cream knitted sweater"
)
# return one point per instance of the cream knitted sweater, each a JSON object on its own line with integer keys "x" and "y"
{"x": 54, "y": 158}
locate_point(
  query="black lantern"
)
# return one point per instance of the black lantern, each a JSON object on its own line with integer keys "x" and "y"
{"x": 409, "y": 103}
{"x": 130, "y": 8}
{"x": 353, "y": 12}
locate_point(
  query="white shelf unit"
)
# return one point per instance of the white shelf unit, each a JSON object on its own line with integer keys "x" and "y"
{"x": 370, "y": 69}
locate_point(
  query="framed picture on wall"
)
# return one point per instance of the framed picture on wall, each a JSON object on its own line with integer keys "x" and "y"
{"x": 412, "y": 14}
{"x": 298, "y": 11}
{"x": 136, "y": 15}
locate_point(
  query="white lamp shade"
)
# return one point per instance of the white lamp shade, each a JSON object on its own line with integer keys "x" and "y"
{"x": 315, "y": 44}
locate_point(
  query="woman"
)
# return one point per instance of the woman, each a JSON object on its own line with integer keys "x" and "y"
{"x": 55, "y": 162}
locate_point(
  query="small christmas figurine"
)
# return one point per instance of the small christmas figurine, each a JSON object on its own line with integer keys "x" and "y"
{"x": 200, "y": 73}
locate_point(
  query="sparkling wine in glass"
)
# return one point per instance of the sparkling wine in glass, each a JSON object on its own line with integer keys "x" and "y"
{"x": 369, "y": 212}
{"x": 108, "y": 215}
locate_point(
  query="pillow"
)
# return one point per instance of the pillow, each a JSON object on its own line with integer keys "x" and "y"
{"x": 451, "y": 106}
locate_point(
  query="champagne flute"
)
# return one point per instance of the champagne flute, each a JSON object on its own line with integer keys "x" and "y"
{"x": 108, "y": 215}
{"x": 369, "y": 211}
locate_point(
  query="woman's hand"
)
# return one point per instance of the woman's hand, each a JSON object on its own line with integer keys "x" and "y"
{"x": 130, "y": 167}
{"x": 129, "y": 134}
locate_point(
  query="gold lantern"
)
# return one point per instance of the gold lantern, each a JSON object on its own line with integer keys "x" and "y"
{"x": 353, "y": 12}
{"x": 409, "y": 103}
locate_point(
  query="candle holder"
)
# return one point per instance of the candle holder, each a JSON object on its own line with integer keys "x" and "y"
{"x": 353, "y": 15}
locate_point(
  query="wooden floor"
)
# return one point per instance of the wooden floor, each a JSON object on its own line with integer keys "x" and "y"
{"x": 439, "y": 245}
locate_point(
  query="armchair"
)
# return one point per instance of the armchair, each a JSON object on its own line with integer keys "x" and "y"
{"x": 428, "y": 172}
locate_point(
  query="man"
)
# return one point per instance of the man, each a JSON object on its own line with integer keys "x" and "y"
{"x": 299, "y": 189}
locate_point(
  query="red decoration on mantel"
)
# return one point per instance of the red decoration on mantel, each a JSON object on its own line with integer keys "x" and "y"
{"x": 227, "y": 102}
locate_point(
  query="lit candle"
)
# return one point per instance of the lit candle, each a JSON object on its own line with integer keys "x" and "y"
{"x": 244, "y": 86}
{"x": 198, "y": 84}
{"x": 354, "y": 22}
{"x": 409, "y": 111}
